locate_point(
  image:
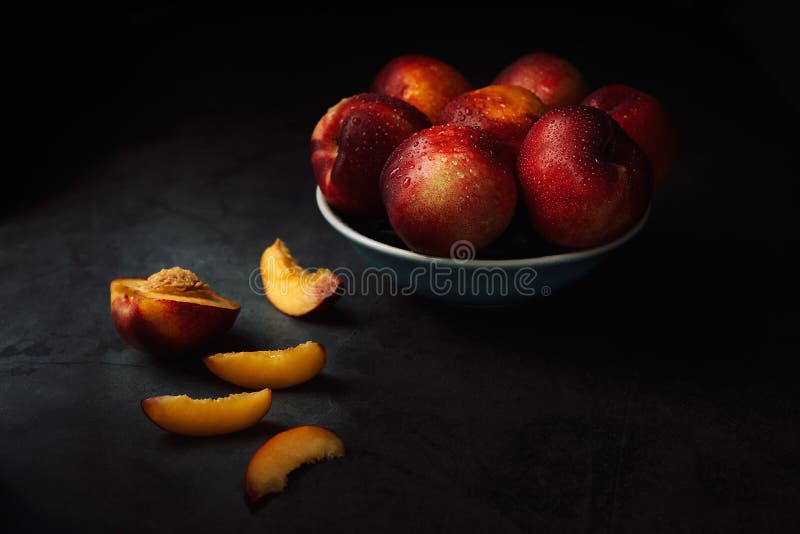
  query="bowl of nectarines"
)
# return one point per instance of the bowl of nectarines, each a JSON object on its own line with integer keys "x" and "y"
{"x": 462, "y": 278}
{"x": 489, "y": 195}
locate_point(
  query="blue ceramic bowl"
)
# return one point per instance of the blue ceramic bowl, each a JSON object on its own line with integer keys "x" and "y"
{"x": 461, "y": 278}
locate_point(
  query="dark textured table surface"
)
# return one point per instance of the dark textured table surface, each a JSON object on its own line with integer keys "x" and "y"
{"x": 659, "y": 394}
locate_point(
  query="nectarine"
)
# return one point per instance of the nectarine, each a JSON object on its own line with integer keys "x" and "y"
{"x": 424, "y": 82}
{"x": 184, "y": 415}
{"x": 446, "y": 184}
{"x": 169, "y": 312}
{"x": 270, "y": 466}
{"x": 274, "y": 369}
{"x": 290, "y": 288}
{"x": 585, "y": 182}
{"x": 554, "y": 80}
{"x": 350, "y": 144}
{"x": 505, "y": 111}
{"x": 645, "y": 120}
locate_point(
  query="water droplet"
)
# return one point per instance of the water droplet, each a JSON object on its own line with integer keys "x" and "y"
{"x": 407, "y": 181}
{"x": 394, "y": 171}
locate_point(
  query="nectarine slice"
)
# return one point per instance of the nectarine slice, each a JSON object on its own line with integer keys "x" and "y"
{"x": 181, "y": 414}
{"x": 270, "y": 466}
{"x": 274, "y": 369}
{"x": 290, "y": 288}
{"x": 169, "y": 312}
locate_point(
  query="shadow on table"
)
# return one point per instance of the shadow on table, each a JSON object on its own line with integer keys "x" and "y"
{"x": 261, "y": 430}
{"x": 323, "y": 384}
{"x": 675, "y": 301}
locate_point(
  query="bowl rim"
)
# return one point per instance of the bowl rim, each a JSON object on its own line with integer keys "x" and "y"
{"x": 539, "y": 261}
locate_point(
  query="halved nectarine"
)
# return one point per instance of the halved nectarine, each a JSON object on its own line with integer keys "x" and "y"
{"x": 290, "y": 288}
{"x": 283, "y": 453}
{"x": 275, "y": 369}
{"x": 169, "y": 312}
{"x": 181, "y": 414}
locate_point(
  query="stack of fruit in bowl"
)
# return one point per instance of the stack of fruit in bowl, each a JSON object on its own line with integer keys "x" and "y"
{"x": 533, "y": 153}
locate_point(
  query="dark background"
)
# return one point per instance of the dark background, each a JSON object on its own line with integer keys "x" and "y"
{"x": 656, "y": 395}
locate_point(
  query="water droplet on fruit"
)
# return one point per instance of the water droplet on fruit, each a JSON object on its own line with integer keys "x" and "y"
{"x": 394, "y": 171}
{"x": 407, "y": 181}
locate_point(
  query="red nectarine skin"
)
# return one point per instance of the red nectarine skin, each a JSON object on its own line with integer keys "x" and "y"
{"x": 350, "y": 144}
{"x": 645, "y": 120}
{"x": 424, "y": 82}
{"x": 162, "y": 326}
{"x": 505, "y": 111}
{"x": 554, "y": 80}
{"x": 449, "y": 183}
{"x": 585, "y": 182}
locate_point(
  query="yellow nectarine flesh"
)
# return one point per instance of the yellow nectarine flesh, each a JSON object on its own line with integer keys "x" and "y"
{"x": 274, "y": 369}
{"x": 184, "y": 415}
{"x": 283, "y": 453}
{"x": 290, "y": 288}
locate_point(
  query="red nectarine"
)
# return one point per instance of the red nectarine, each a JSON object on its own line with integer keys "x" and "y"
{"x": 554, "y": 80}
{"x": 350, "y": 144}
{"x": 645, "y": 120}
{"x": 449, "y": 183}
{"x": 424, "y": 82}
{"x": 170, "y": 312}
{"x": 505, "y": 111}
{"x": 585, "y": 182}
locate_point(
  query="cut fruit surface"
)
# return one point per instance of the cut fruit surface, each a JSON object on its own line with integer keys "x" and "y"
{"x": 290, "y": 288}
{"x": 204, "y": 296}
{"x": 283, "y": 453}
{"x": 170, "y": 312}
{"x": 275, "y": 369}
{"x": 181, "y": 414}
